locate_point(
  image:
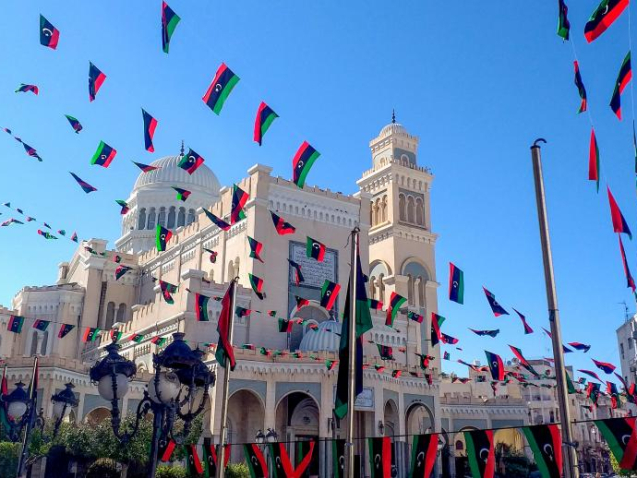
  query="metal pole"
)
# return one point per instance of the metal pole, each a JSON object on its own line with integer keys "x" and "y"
{"x": 223, "y": 438}
{"x": 33, "y": 402}
{"x": 158, "y": 418}
{"x": 568, "y": 451}
{"x": 351, "y": 336}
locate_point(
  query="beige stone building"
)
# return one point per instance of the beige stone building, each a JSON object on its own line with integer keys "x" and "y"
{"x": 292, "y": 395}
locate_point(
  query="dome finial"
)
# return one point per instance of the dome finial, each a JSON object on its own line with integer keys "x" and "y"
{"x": 393, "y": 116}
{"x": 182, "y": 148}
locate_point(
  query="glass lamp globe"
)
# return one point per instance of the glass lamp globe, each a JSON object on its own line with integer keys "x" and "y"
{"x": 61, "y": 410}
{"x": 105, "y": 386}
{"x": 16, "y": 410}
{"x": 168, "y": 387}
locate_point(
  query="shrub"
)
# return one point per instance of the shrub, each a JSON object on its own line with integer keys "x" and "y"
{"x": 9, "y": 459}
{"x": 166, "y": 471}
{"x": 238, "y": 470}
{"x": 103, "y": 468}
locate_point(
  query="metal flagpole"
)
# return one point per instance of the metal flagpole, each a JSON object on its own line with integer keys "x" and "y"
{"x": 33, "y": 399}
{"x": 223, "y": 438}
{"x": 570, "y": 456}
{"x": 351, "y": 336}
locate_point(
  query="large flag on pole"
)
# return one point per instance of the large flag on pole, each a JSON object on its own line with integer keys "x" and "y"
{"x": 224, "y": 347}
{"x": 620, "y": 435}
{"x": 363, "y": 324}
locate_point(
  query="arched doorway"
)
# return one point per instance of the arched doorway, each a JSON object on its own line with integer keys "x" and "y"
{"x": 508, "y": 442}
{"x": 419, "y": 419}
{"x": 297, "y": 418}
{"x": 459, "y": 446}
{"x": 97, "y": 416}
{"x": 390, "y": 418}
{"x": 246, "y": 414}
{"x": 313, "y": 314}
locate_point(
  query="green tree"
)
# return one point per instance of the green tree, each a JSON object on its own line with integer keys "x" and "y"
{"x": 9, "y": 453}
{"x": 615, "y": 464}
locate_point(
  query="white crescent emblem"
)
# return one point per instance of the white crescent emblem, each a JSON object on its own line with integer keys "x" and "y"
{"x": 487, "y": 454}
{"x": 47, "y": 32}
{"x": 218, "y": 87}
{"x": 278, "y": 462}
{"x": 548, "y": 450}
{"x": 300, "y": 164}
{"x": 605, "y": 10}
{"x": 191, "y": 159}
{"x": 341, "y": 462}
{"x": 455, "y": 284}
{"x": 377, "y": 461}
{"x": 316, "y": 245}
{"x": 420, "y": 458}
{"x": 254, "y": 460}
{"x": 328, "y": 293}
{"x": 163, "y": 237}
{"x": 103, "y": 156}
{"x": 495, "y": 364}
{"x": 625, "y": 439}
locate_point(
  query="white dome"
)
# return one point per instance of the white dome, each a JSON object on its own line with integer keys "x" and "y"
{"x": 326, "y": 338}
{"x": 170, "y": 174}
{"x": 395, "y": 128}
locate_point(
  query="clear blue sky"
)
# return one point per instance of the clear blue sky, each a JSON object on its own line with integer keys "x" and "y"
{"x": 478, "y": 82}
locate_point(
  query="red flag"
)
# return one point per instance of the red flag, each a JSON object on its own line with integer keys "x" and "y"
{"x": 224, "y": 347}
{"x": 593, "y": 160}
{"x": 619, "y": 223}
{"x": 630, "y": 282}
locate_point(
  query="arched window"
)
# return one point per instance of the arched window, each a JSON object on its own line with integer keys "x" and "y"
{"x": 421, "y": 291}
{"x": 372, "y": 287}
{"x": 377, "y": 216}
{"x": 231, "y": 274}
{"x": 191, "y": 216}
{"x": 181, "y": 219}
{"x": 401, "y": 207}
{"x": 236, "y": 267}
{"x": 34, "y": 344}
{"x": 171, "y": 217}
{"x": 121, "y": 313}
{"x": 410, "y": 289}
{"x": 151, "y": 219}
{"x": 141, "y": 222}
{"x": 161, "y": 219}
{"x": 110, "y": 316}
{"x": 420, "y": 212}
{"x": 45, "y": 342}
{"x": 383, "y": 206}
{"x": 459, "y": 445}
{"x": 410, "y": 209}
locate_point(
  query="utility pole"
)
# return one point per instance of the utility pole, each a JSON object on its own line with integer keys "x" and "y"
{"x": 571, "y": 469}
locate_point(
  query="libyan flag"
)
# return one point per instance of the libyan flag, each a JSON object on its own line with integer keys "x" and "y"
{"x": 256, "y": 461}
{"x": 546, "y": 443}
{"x": 283, "y": 467}
{"x": 380, "y": 457}
{"x": 363, "y": 324}
{"x": 619, "y": 433}
{"x": 224, "y": 347}
{"x": 423, "y": 455}
{"x": 481, "y": 453}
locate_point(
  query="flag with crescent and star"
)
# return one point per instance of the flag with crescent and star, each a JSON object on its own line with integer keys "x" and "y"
{"x": 603, "y": 17}
{"x": 527, "y": 327}
{"x": 15, "y": 324}
{"x": 380, "y": 457}
{"x": 150, "y": 124}
{"x": 146, "y": 168}
{"x": 496, "y": 308}
{"x": 95, "y": 81}
{"x": 456, "y": 284}
{"x": 302, "y": 162}
{"x": 201, "y": 307}
{"x": 621, "y": 437}
{"x": 239, "y": 200}
{"x": 314, "y": 249}
{"x": 436, "y": 322}
{"x": 255, "y": 248}
{"x": 64, "y": 330}
{"x": 255, "y": 460}
{"x": 604, "y": 366}
{"x": 220, "y": 223}
{"x": 580, "y": 88}
{"x": 496, "y": 365}
{"x": 546, "y": 443}
{"x": 296, "y": 271}
{"x": 225, "y": 349}
{"x": 169, "y": 21}
{"x": 210, "y": 457}
{"x": 265, "y": 117}
{"x": 162, "y": 237}
{"x": 563, "y": 25}
{"x": 480, "y": 453}
{"x": 193, "y": 464}
{"x": 49, "y": 35}
{"x": 282, "y": 465}
{"x": 86, "y": 187}
{"x": 219, "y": 90}
{"x": 167, "y": 289}
{"x": 623, "y": 78}
{"x": 396, "y": 301}
{"x": 329, "y": 294}
{"x": 75, "y": 124}
{"x": 257, "y": 285}
{"x": 190, "y": 162}
{"x": 166, "y": 448}
{"x": 630, "y": 282}
{"x": 282, "y": 227}
{"x": 424, "y": 451}
{"x": 338, "y": 458}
